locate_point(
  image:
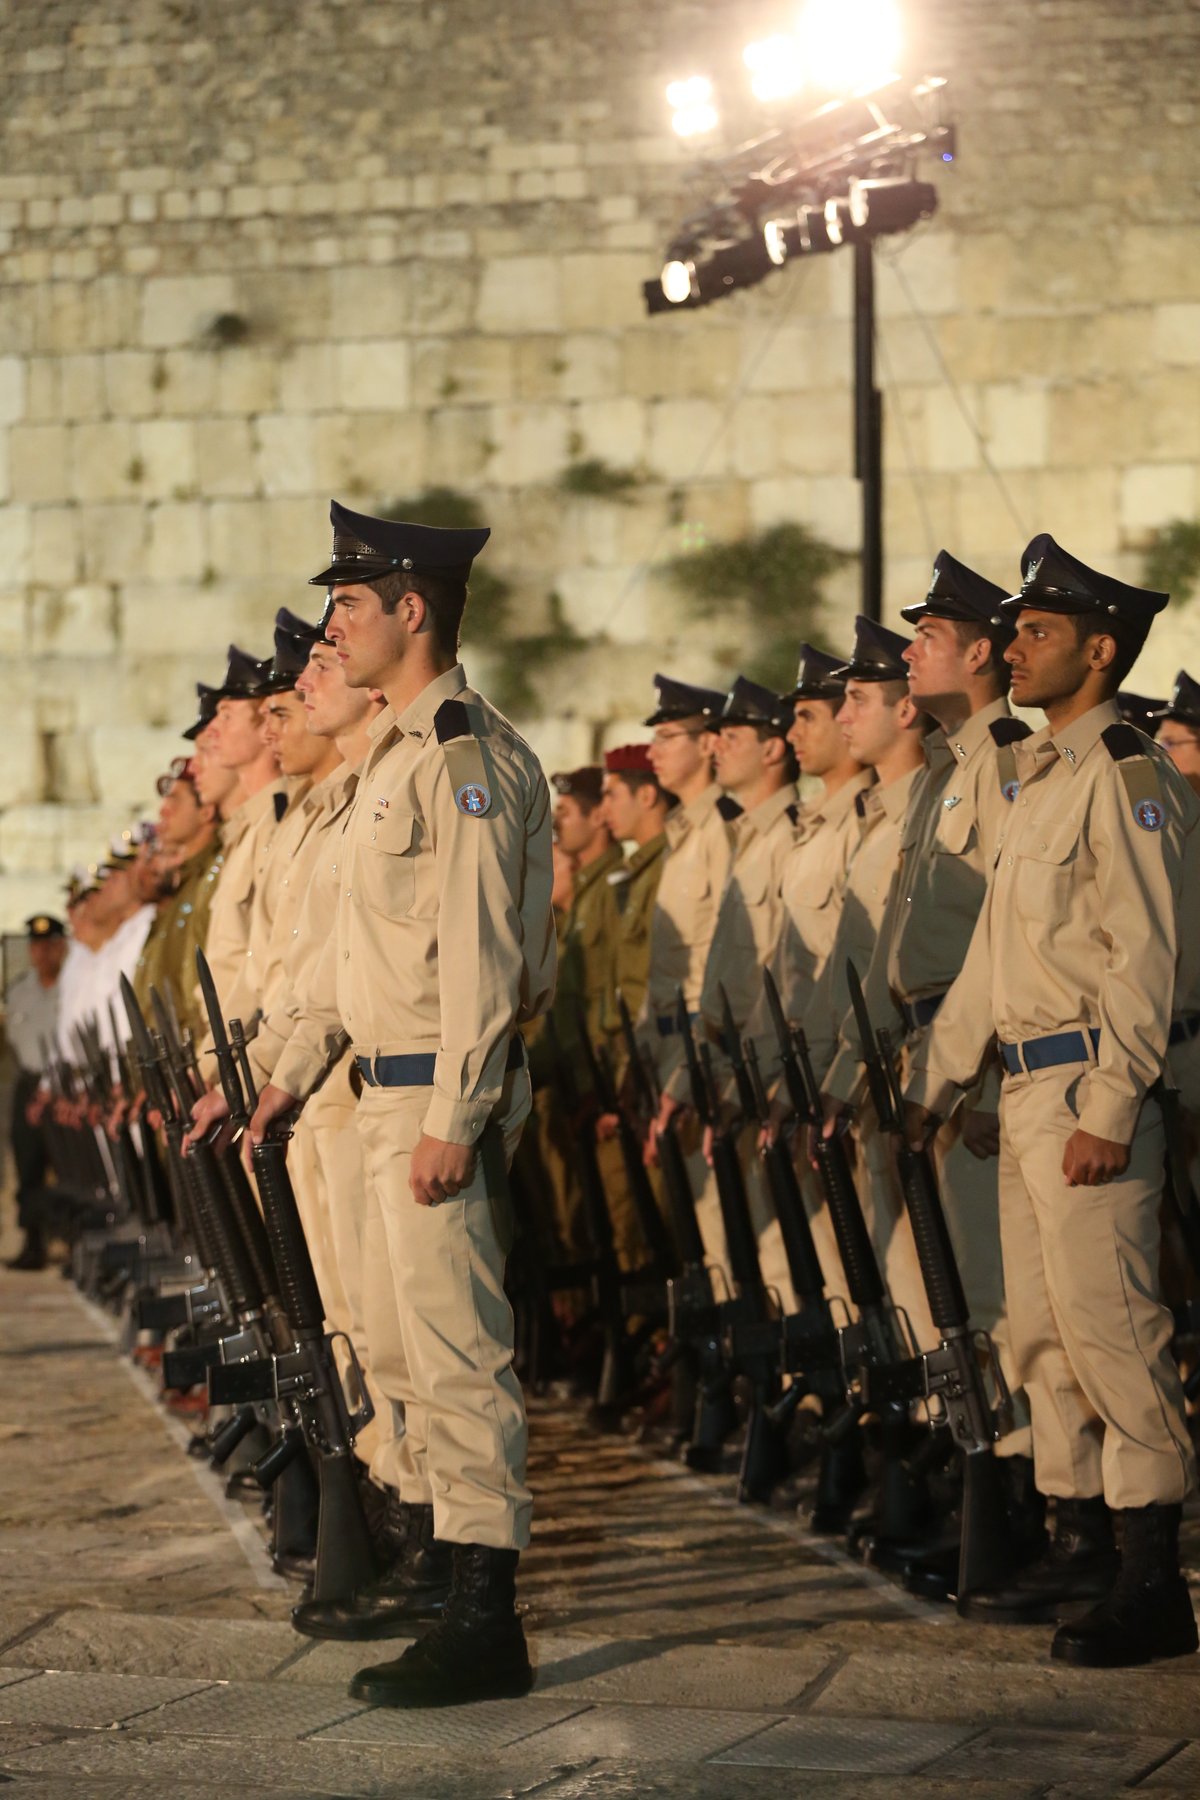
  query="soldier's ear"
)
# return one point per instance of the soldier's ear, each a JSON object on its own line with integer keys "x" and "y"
{"x": 1102, "y": 650}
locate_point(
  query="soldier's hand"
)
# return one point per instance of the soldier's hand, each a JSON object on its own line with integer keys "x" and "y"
{"x": 273, "y": 1102}
{"x": 919, "y": 1125}
{"x": 706, "y": 1145}
{"x": 836, "y": 1114}
{"x": 1093, "y": 1161}
{"x": 606, "y": 1126}
{"x": 981, "y": 1134}
{"x": 440, "y": 1171}
{"x": 208, "y": 1112}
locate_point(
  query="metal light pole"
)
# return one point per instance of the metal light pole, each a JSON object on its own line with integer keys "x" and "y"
{"x": 868, "y": 430}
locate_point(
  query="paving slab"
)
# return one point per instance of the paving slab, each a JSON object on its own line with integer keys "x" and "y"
{"x": 487, "y": 1725}
{"x": 650, "y": 1673}
{"x": 151, "y": 1644}
{"x": 1178, "y": 1773}
{"x": 95, "y": 1701}
{"x": 649, "y": 1733}
{"x": 613, "y": 1780}
{"x": 1057, "y": 1756}
{"x": 863, "y": 1745}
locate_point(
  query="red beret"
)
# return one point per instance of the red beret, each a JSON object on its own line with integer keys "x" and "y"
{"x": 628, "y": 759}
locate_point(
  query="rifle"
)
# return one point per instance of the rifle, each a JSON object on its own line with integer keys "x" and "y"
{"x": 950, "y": 1377}
{"x": 693, "y": 1310}
{"x": 763, "y": 1461}
{"x": 879, "y": 1338}
{"x": 616, "y": 1371}
{"x": 662, "y": 1256}
{"x": 305, "y": 1373}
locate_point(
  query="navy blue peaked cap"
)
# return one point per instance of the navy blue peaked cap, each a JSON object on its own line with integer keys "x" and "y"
{"x": 956, "y": 592}
{"x": 1184, "y": 703}
{"x": 878, "y": 653}
{"x": 1052, "y": 580}
{"x": 294, "y": 638}
{"x": 1139, "y": 710}
{"x": 819, "y": 676}
{"x": 747, "y": 703}
{"x": 245, "y": 677}
{"x": 365, "y": 548}
{"x": 680, "y": 700}
{"x": 206, "y": 709}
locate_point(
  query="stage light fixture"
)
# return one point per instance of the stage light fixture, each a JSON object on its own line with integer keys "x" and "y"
{"x": 776, "y": 67}
{"x": 678, "y": 280}
{"x": 840, "y": 225}
{"x": 693, "y": 109}
{"x": 657, "y": 302}
{"x": 814, "y": 233}
{"x": 783, "y": 240}
{"x": 847, "y": 46}
{"x": 894, "y": 203}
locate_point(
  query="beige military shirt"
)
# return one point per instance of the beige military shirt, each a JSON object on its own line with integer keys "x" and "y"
{"x": 305, "y": 919}
{"x": 948, "y": 845}
{"x": 695, "y": 867}
{"x": 869, "y": 879}
{"x": 445, "y": 939}
{"x": 1081, "y": 926}
{"x": 229, "y": 912}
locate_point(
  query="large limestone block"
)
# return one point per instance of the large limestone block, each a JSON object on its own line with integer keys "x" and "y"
{"x": 247, "y": 380}
{"x": 1015, "y": 425}
{"x": 950, "y": 437}
{"x": 128, "y": 759}
{"x": 588, "y": 366}
{"x": 237, "y": 539}
{"x": 919, "y": 272}
{"x": 175, "y": 546}
{"x": 103, "y": 461}
{"x": 224, "y": 456}
{"x": 520, "y": 294}
{"x": 308, "y": 378}
{"x": 1090, "y": 413}
{"x": 185, "y": 382}
{"x": 602, "y": 289}
{"x": 1156, "y": 263}
{"x": 1154, "y": 494}
{"x": 1168, "y": 413}
{"x": 15, "y": 537}
{"x": 835, "y": 510}
{"x": 21, "y": 895}
{"x": 368, "y": 302}
{"x": 166, "y": 618}
{"x": 21, "y": 767}
{"x": 176, "y": 309}
{"x": 443, "y": 298}
{"x": 374, "y": 375}
{"x": 614, "y": 431}
{"x": 680, "y": 433}
{"x": 39, "y": 465}
{"x": 31, "y": 839}
{"x": 1177, "y": 333}
{"x": 82, "y": 394}
{"x": 1080, "y": 508}
{"x": 284, "y": 457}
{"x": 560, "y": 743}
{"x": 83, "y": 829}
{"x": 467, "y": 371}
{"x": 115, "y": 540}
{"x": 529, "y": 443}
{"x": 984, "y": 518}
{"x": 75, "y": 621}
{"x": 676, "y": 359}
{"x": 55, "y": 547}
{"x": 12, "y": 389}
{"x": 130, "y": 383}
{"x": 15, "y": 606}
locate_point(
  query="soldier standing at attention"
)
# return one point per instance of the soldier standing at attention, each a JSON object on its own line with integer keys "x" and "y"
{"x": 1073, "y": 967}
{"x": 444, "y": 946}
{"x": 1179, "y": 728}
{"x": 31, "y": 1020}
{"x": 635, "y": 808}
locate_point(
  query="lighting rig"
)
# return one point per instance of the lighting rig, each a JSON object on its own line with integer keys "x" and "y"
{"x": 844, "y": 172}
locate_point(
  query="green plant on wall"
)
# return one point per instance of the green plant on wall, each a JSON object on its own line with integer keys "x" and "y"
{"x": 1172, "y": 562}
{"x": 491, "y": 594}
{"x": 592, "y": 477}
{"x": 521, "y": 660}
{"x": 768, "y": 584}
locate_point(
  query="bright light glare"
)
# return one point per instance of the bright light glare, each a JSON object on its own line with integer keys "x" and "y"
{"x": 677, "y": 281}
{"x": 692, "y": 100}
{"x": 776, "y": 67}
{"x": 776, "y": 241}
{"x": 848, "y": 46}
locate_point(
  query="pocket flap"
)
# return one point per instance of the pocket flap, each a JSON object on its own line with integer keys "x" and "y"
{"x": 390, "y": 832}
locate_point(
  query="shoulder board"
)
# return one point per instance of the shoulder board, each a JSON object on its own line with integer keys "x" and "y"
{"x": 728, "y": 808}
{"x": 860, "y": 803}
{"x": 1139, "y": 775}
{"x": 1009, "y": 731}
{"x": 452, "y": 720}
{"x": 1123, "y": 740}
{"x": 793, "y": 813}
{"x": 281, "y": 806}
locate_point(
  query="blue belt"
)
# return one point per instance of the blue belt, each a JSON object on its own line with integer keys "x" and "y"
{"x": 1049, "y": 1052}
{"x": 667, "y": 1024}
{"x": 1184, "y": 1029}
{"x": 919, "y": 1013}
{"x": 416, "y": 1069}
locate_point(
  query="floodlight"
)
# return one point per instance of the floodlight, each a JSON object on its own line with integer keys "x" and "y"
{"x": 891, "y": 204}
{"x": 840, "y": 225}
{"x": 848, "y": 46}
{"x": 737, "y": 265}
{"x": 693, "y": 110}
{"x": 814, "y": 233}
{"x": 776, "y": 67}
{"x": 783, "y": 240}
{"x": 678, "y": 278}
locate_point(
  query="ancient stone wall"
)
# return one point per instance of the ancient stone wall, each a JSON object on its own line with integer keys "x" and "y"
{"x": 254, "y": 254}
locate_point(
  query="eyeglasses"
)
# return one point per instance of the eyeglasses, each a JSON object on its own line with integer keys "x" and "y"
{"x": 1191, "y": 742}
{"x": 669, "y": 737}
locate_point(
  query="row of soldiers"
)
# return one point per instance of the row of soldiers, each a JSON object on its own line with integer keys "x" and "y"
{"x": 363, "y": 848}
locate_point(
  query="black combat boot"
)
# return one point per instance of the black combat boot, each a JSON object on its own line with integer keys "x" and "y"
{"x": 933, "y": 1572}
{"x": 32, "y": 1254}
{"x": 476, "y": 1651}
{"x": 414, "y": 1587}
{"x": 1149, "y": 1612}
{"x": 1081, "y": 1563}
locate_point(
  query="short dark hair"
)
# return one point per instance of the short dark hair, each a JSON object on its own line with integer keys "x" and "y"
{"x": 444, "y": 595}
{"x": 791, "y": 768}
{"x": 640, "y": 778}
{"x": 1129, "y": 641}
{"x": 966, "y": 633}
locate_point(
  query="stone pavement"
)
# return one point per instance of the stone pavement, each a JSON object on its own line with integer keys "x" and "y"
{"x": 685, "y": 1646}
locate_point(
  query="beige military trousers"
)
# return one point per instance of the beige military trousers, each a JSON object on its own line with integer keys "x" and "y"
{"x": 312, "y": 1202}
{"x": 1090, "y": 1335}
{"x": 772, "y": 1259}
{"x": 446, "y": 1353}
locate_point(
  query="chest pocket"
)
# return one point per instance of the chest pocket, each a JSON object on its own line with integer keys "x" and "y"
{"x": 1044, "y": 874}
{"x": 955, "y": 834}
{"x": 385, "y": 875}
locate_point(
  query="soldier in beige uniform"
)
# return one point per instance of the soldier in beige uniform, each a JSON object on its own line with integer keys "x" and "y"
{"x": 444, "y": 946}
{"x": 1073, "y": 966}
{"x": 756, "y": 769}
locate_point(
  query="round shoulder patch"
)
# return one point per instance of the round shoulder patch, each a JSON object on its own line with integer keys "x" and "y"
{"x": 1149, "y": 815}
{"x": 473, "y": 799}
{"x": 1010, "y": 790}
